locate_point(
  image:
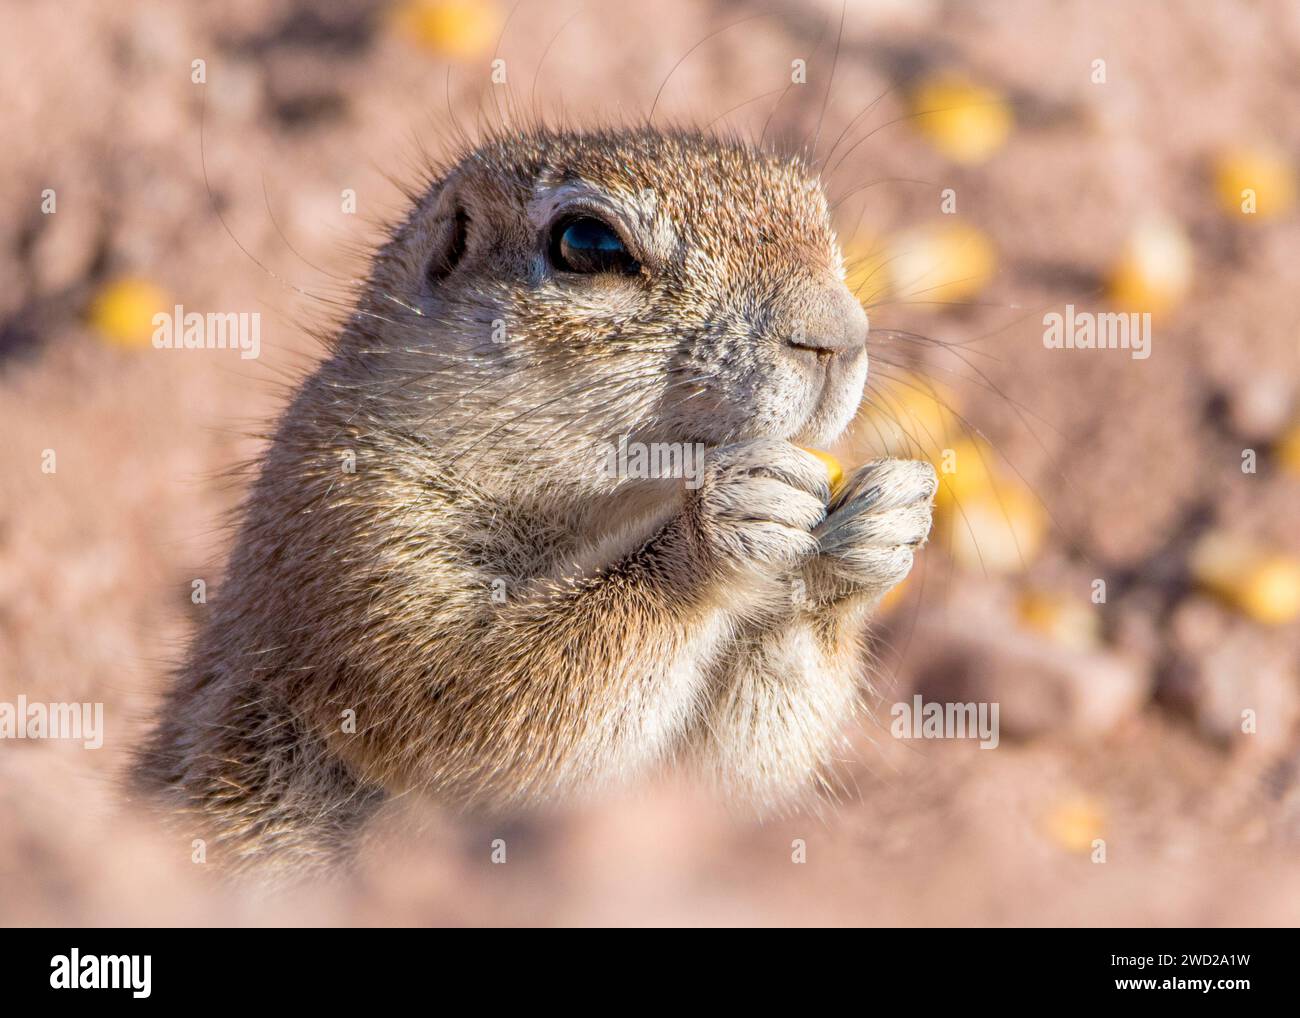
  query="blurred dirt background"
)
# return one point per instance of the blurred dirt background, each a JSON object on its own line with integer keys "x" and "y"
{"x": 1121, "y": 721}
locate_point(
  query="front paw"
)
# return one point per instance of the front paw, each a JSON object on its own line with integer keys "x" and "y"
{"x": 758, "y": 503}
{"x": 874, "y": 525}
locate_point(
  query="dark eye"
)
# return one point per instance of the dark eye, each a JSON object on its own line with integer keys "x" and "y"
{"x": 586, "y": 244}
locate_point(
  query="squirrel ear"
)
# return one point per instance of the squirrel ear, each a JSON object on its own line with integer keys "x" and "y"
{"x": 450, "y": 234}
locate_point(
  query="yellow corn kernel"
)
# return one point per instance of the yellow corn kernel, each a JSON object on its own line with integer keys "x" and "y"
{"x": 122, "y": 311}
{"x": 909, "y": 416}
{"x": 1288, "y": 450}
{"x": 1257, "y": 183}
{"x": 1262, "y": 584}
{"x": 866, "y": 270}
{"x": 1074, "y": 823}
{"x": 458, "y": 29}
{"x": 893, "y": 597}
{"x": 998, "y": 531}
{"x": 967, "y": 470}
{"x": 834, "y": 472}
{"x": 964, "y": 121}
{"x": 1067, "y": 621}
{"x": 1272, "y": 595}
{"x": 940, "y": 263}
{"x": 994, "y": 522}
{"x": 1154, "y": 272}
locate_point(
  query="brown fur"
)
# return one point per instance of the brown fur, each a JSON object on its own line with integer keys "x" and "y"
{"x": 643, "y": 621}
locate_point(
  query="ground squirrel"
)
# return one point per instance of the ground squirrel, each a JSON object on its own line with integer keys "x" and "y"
{"x": 435, "y": 548}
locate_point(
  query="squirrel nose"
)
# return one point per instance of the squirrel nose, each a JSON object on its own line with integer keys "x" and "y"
{"x": 834, "y": 324}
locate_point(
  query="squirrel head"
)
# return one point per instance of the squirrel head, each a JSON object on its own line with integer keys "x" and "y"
{"x": 552, "y": 290}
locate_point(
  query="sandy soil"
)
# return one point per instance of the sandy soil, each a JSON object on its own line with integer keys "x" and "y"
{"x": 1134, "y": 740}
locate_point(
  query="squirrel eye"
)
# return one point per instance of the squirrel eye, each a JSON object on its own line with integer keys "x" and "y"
{"x": 588, "y": 245}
